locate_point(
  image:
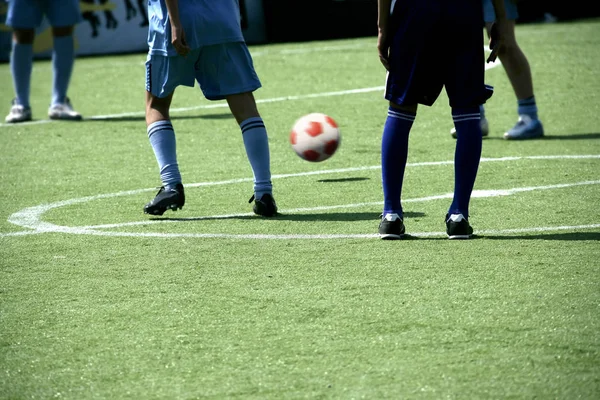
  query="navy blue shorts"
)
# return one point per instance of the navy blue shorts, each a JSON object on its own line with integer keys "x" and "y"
{"x": 437, "y": 44}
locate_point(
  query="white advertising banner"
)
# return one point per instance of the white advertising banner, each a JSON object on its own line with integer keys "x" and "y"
{"x": 118, "y": 26}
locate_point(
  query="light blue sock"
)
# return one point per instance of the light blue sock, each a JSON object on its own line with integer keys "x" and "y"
{"x": 256, "y": 143}
{"x": 527, "y": 107}
{"x": 162, "y": 139}
{"x": 63, "y": 58}
{"x": 21, "y": 62}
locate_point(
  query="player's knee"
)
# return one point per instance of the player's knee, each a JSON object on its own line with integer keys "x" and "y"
{"x": 242, "y": 106}
{"x": 24, "y": 36}
{"x": 58, "y": 31}
{"x": 411, "y": 108}
{"x": 157, "y": 105}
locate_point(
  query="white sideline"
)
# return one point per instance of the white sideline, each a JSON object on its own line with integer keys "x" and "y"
{"x": 222, "y": 104}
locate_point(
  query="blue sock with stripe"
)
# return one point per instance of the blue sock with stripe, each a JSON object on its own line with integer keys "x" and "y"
{"x": 256, "y": 143}
{"x": 528, "y": 107}
{"x": 21, "y": 63}
{"x": 394, "y": 153}
{"x": 162, "y": 139}
{"x": 466, "y": 157}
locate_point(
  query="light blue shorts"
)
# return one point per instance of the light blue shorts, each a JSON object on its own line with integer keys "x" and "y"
{"x": 28, "y": 14}
{"x": 489, "y": 15}
{"x": 220, "y": 70}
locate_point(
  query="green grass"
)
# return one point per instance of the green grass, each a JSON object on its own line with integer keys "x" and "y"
{"x": 193, "y": 307}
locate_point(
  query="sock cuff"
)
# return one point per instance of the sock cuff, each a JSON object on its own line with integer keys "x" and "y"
{"x": 466, "y": 114}
{"x": 530, "y": 101}
{"x": 405, "y": 115}
{"x": 251, "y": 123}
{"x": 159, "y": 126}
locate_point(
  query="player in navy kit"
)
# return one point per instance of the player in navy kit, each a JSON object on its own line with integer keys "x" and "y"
{"x": 201, "y": 41}
{"x": 427, "y": 45}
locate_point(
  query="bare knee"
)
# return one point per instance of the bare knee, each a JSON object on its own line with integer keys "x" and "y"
{"x": 24, "y": 36}
{"x": 410, "y": 108}
{"x": 157, "y": 108}
{"x": 242, "y": 106}
{"x": 59, "y": 31}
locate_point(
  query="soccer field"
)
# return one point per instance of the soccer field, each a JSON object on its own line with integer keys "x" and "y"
{"x": 100, "y": 301}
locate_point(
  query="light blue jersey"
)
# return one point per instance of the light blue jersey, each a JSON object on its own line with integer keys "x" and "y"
{"x": 204, "y": 22}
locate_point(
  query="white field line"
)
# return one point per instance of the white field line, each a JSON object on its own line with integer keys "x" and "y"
{"x": 491, "y": 232}
{"x": 30, "y": 217}
{"x": 223, "y": 104}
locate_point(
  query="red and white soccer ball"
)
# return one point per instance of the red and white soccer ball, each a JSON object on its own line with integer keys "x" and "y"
{"x": 315, "y": 137}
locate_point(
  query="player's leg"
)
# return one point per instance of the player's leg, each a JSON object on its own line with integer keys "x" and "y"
{"x": 256, "y": 143}
{"x": 23, "y": 17}
{"x": 518, "y": 70}
{"x": 394, "y": 155}
{"x": 163, "y": 75}
{"x": 409, "y": 82}
{"x": 235, "y": 80}
{"x": 483, "y": 123}
{"x": 466, "y": 92}
{"x": 63, "y": 16}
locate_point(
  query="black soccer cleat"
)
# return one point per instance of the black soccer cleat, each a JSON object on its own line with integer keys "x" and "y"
{"x": 265, "y": 207}
{"x": 172, "y": 199}
{"x": 391, "y": 227}
{"x": 458, "y": 227}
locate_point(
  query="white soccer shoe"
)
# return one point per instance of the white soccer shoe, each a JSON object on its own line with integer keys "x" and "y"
{"x": 18, "y": 113}
{"x": 63, "y": 111}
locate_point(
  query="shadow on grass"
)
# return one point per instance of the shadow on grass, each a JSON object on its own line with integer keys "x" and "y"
{"x": 355, "y": 179}
{"x": 570, "y": 236}
{"x": 576, "y": 136}
{"x": 124, "y": 118}
{"x": 339, "y": 217}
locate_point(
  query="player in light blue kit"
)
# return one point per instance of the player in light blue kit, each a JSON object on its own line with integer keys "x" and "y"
{"x": 414, "y": 35}
{"x": 518, "y": 71}
{"x": 24, "y": 16}
{"x": 201, "y": 41}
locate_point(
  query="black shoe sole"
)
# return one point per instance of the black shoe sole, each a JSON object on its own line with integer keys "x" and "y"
{"x": 162, "y": 210}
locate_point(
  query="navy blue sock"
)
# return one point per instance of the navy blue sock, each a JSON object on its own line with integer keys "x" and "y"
{"x": 256, "y": 143}
{"x": 466, "y": 157}
{"x": 528, "y": 107}
{"x": 394, "y": 153}
{"x": 162, "y": 139}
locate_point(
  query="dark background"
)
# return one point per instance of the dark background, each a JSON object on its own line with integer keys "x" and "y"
{"x": 304, "y": 20}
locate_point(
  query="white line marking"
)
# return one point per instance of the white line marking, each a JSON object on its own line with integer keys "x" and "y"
{"x": 222, "y": 104}
{"x": 476, "y": 194}
{"x": 498, "y": 232}
{"x": 31, "y": 217}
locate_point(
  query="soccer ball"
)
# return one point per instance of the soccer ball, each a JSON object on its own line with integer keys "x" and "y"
{"x": 315, "y": 137}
